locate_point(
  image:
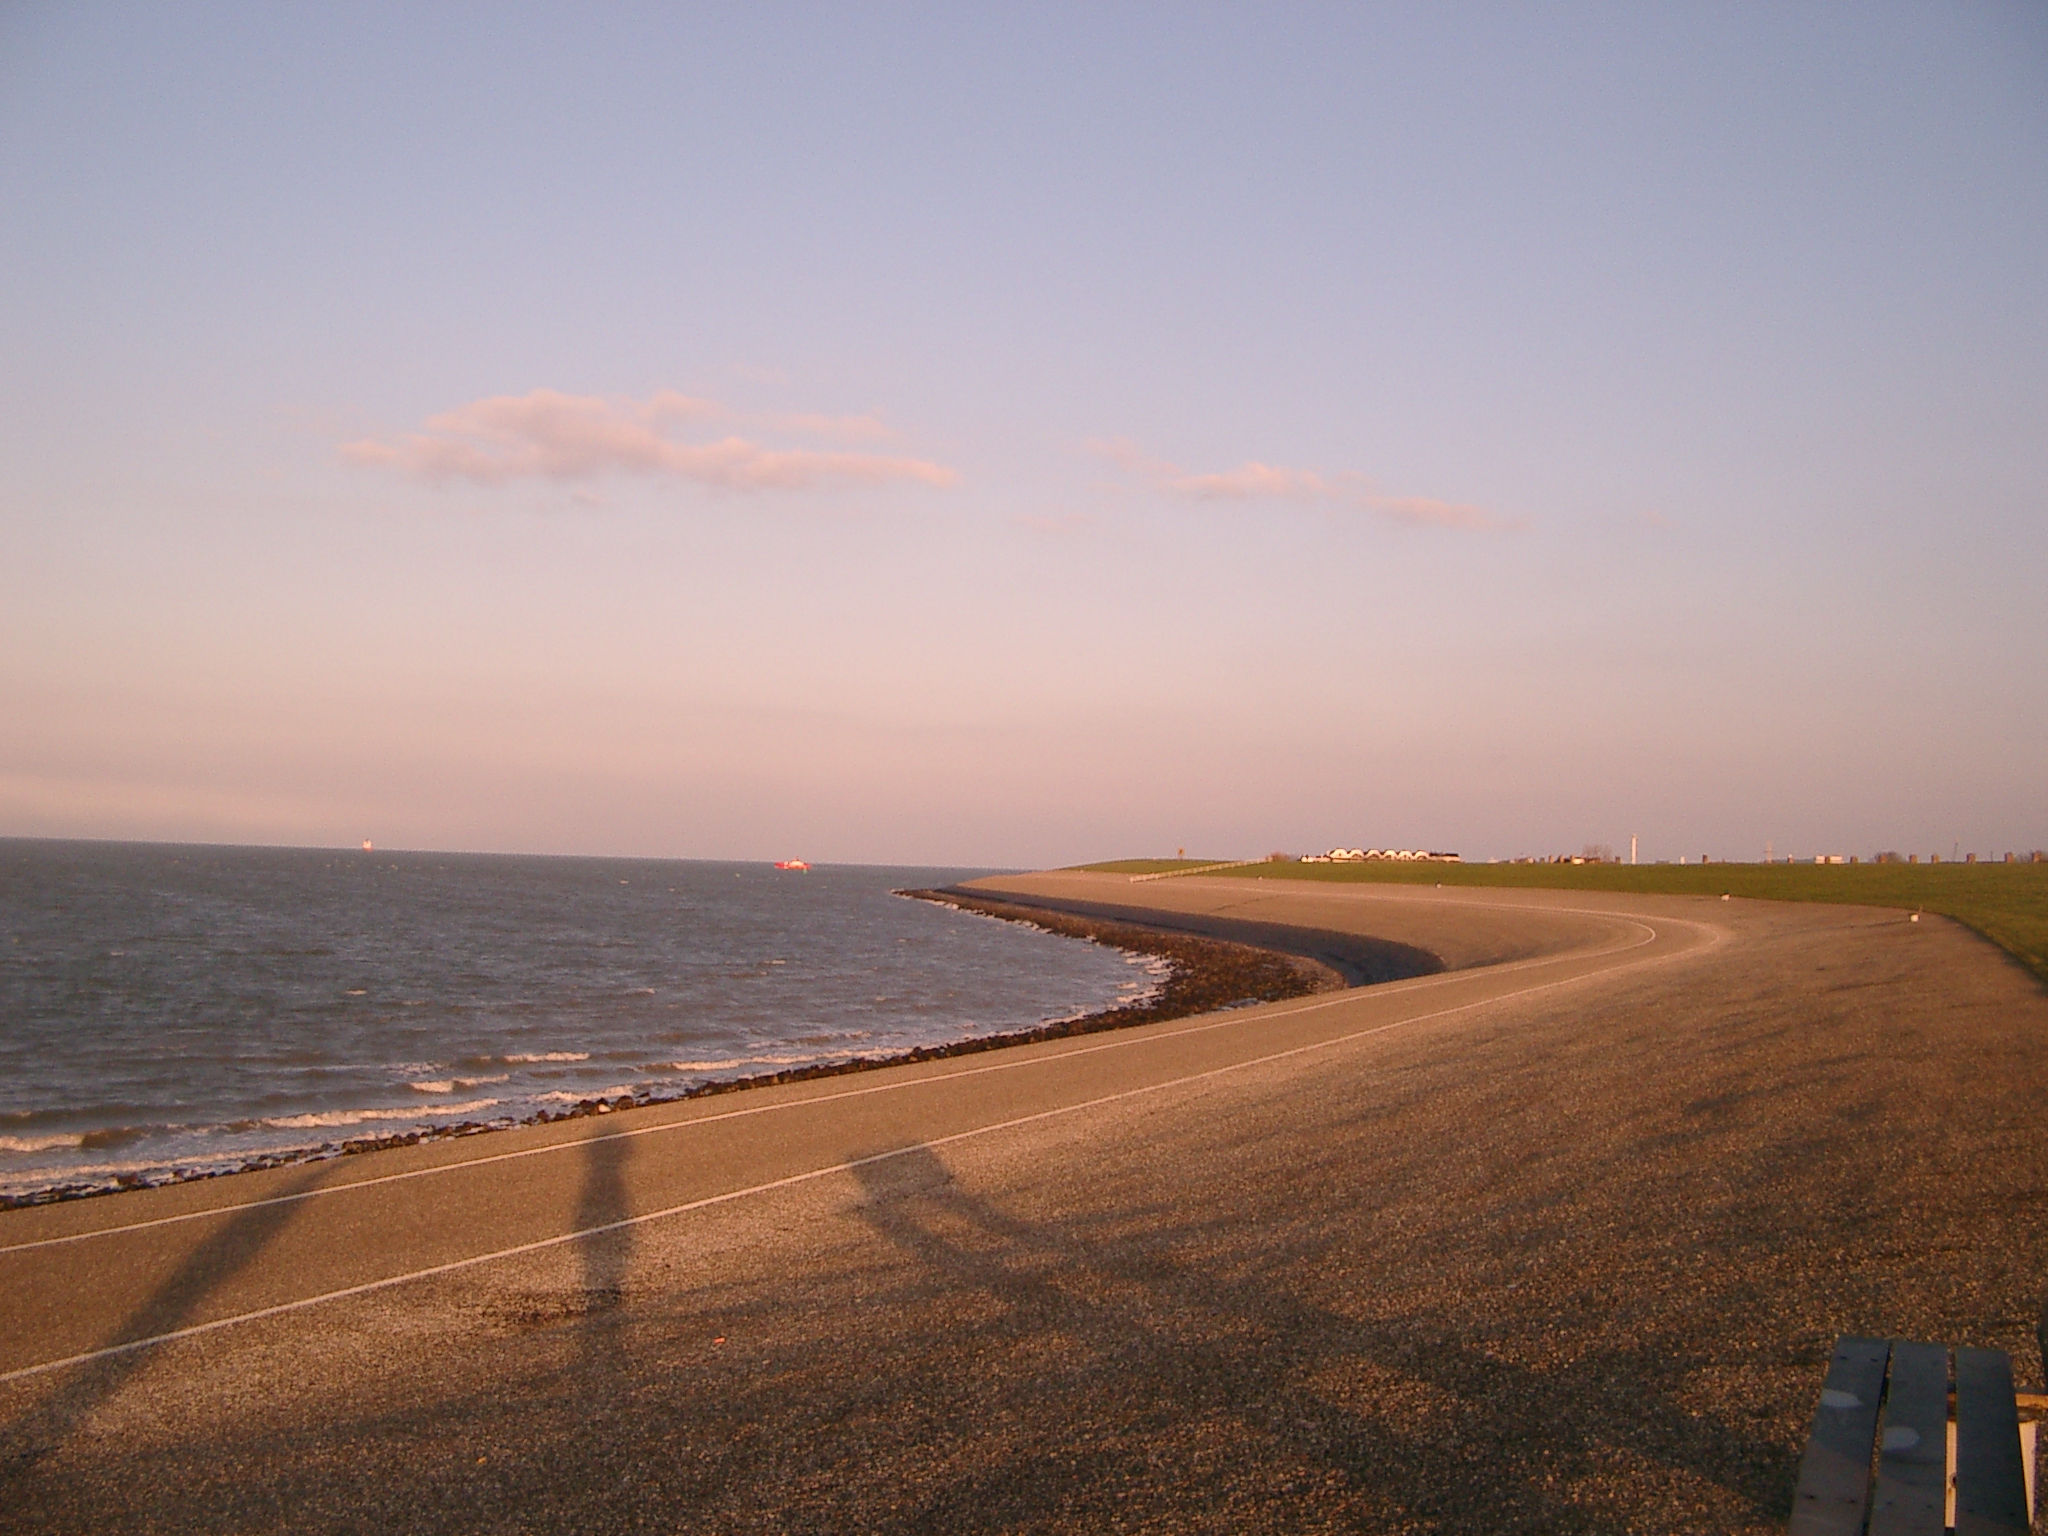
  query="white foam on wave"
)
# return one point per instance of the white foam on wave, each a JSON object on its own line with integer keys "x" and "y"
{"x": 450, "y": 1084}
{"x": 559, "y": 1097}
{"x": 23, "y": 1181}
{"x": 334, "y": 1118}
{"x": 39, "y": 1143}
{"x": 523, "y": 1059}
{"x": 735, "y": 1061}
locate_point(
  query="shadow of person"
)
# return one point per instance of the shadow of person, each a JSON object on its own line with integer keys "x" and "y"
{"x": 1153, "y": 1341}
{"x": 603, "y": 1259}
{"x": 228, "y": 1249}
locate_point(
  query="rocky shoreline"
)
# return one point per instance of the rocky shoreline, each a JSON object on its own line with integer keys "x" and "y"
{"x": 1203, "y": 974}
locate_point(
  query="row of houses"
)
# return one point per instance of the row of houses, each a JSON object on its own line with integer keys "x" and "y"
{"x": 1367, "y": 855}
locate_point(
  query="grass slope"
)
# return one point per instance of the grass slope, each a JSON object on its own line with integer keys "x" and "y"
{"x": 1148, "y": 866}
{"x": 2007, "y": 903}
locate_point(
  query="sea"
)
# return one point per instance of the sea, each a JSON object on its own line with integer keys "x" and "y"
{"x": 169, "y": 1011}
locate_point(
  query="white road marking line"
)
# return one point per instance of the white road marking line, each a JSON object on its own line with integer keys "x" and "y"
{"x": 367, "y": 1287}
{"x": 1124, "y": 1041}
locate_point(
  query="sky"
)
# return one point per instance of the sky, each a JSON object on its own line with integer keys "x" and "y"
{"x": 1020, "y": 435}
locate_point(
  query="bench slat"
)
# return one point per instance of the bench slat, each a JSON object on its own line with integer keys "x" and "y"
{"x": 1912, "y": 1445}
{"x": 1834, "y": 1475}
{"x": 1991, "y": 1485}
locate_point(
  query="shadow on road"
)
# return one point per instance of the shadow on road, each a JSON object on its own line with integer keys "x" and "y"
{"x": 604, "y": 1258}
{"x": 1153, "y": 1342}
{"x": 230, "y": 1248}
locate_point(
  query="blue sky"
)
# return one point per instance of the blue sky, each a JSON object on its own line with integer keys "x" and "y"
{"x": 898, "y": 434}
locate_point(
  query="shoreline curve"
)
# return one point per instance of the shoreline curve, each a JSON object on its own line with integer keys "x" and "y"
{"x": 1211, "y": 967}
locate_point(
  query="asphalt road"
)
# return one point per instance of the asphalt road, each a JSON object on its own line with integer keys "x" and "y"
{"x": 1559, "y": 1239}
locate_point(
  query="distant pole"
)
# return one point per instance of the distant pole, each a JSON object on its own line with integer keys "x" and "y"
{"x": 1631, "y": 847}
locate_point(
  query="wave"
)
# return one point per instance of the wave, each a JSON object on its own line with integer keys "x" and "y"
{"x": 121, "y": 1136}
{"x": 524, "y": 1058}
{"x": 335, "y": 1118}
{"x": 40, "y": 1143}
{"x": 558, "y": 1097}
{"x": 450, "y": 1084}
{"x": 151, "y": 1172}
{"x": 74, "y": 1175}
{"x": 731, "y": 1062}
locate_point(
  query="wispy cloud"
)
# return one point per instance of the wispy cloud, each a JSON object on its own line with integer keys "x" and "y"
{"x": 548, "y": 435}
{"x": 1253, "y": 481}
{"x": 1067, "y": 525}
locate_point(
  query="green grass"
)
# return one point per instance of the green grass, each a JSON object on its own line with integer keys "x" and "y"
{"x": 2007, "y": 903}
{"x": 1144, "y": 866}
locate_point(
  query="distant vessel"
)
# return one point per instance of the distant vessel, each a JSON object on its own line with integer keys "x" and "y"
{"x": 791, "y": 864}
{"x": 366, "y": 845}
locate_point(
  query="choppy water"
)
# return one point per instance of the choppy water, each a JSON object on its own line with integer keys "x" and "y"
{"x": 168, "y": 1008}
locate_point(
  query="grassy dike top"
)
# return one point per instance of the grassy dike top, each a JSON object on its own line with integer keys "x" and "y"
{"x": 2007, "y": 903}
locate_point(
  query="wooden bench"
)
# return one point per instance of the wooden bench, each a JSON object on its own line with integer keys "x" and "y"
{"x": 1902, "y": 1448}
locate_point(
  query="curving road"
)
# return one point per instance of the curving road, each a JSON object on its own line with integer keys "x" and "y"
{"x": 1544, "y": 1241}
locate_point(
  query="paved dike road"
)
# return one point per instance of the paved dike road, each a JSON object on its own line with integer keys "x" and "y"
{"x": 1558, "y": 1239}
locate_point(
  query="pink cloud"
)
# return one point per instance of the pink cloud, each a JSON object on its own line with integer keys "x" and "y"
{"x": 552, "y": 436}
{"x": 1253, "y": 481}
{"x": 1067, "y": 525}
{"x": 1427, "y": 512}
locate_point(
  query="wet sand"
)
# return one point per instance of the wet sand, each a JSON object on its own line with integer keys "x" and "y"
{"x": 1556, "y": 1239}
